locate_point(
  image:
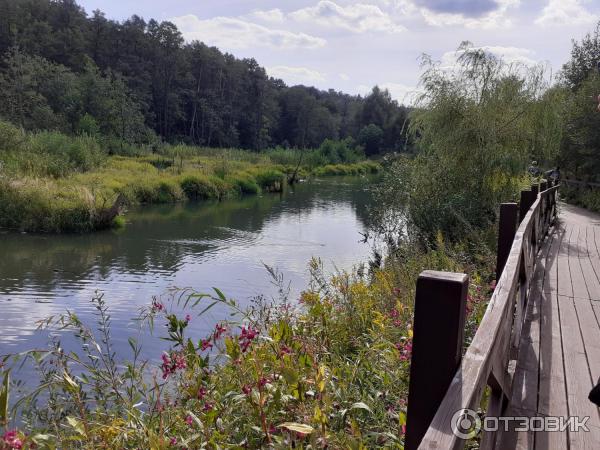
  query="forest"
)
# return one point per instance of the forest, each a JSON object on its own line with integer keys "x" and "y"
{"x": 138, "y": 83}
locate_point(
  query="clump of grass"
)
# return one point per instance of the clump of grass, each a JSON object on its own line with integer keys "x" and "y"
{"x": 269, "y": 179}
{"x": 361, "y": 168}
{"x": 197, "y": 187}
{"x": 244, "y": 182}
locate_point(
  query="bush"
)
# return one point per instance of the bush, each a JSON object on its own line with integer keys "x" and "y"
{"x": 268, "y": 179}
{"x": 197, "y": 187}
{"x": 244, "y": 182}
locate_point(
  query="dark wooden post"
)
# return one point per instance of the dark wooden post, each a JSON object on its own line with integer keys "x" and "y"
{"x": 528, "y": 198}
{"x": 543, "y": 186}
{"x": 439, "y": 328}
{"x": 507, "y": 229}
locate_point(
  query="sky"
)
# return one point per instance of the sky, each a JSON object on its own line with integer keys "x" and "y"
{"x": 353, "y": 45}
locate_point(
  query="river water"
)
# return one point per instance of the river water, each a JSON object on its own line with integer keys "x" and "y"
{"x": 199, "y": 246}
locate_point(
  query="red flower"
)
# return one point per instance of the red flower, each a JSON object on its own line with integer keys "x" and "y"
{"x": 11, "y": 440}
{"x": 205, "y": 345}
{"x": 247, "y": 389}
{"x": 157, "y": 306}
{"x": 219, "y": 330}
{"x": 246, "y": 338}
{"x": 201, "y": 393}
{"x": 172, "y": 363}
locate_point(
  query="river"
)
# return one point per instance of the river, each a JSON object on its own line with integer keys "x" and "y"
{"x": 199, "y": 246}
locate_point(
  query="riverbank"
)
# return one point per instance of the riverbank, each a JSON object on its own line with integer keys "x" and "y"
{"x": 50, "y": 182}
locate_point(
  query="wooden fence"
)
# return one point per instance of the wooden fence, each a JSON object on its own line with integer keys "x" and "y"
{"x": 444, "y": 383}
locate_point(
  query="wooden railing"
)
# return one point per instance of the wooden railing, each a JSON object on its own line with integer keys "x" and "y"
{"x": 444, "y": 382}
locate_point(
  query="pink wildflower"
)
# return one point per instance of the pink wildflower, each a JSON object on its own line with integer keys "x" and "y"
{"x": 171, "y": 363}
{"x": 11, "y": 440}
{"x": 219, "y": 330}
{"x": 207, "y": 407}
{"x": 189, "y": 420}
{"x": 205, "y": 345}
{"x": 188, "y": 318}
{"x": 246, "y": 337}
{"x": 157, "y": 306}
{"x": 247, "y": 389}
{"x": 173, "y": 441}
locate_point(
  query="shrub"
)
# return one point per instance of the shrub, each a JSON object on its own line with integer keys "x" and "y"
{"x": 198, "y": 187}
{"x": 268, "y": 179}
{"x": 244, "y": 182}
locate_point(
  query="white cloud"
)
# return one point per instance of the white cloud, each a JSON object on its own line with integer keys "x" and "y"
{"x": 295, "y": 75}
{"x": 234, "y": 33}
{"x": 358, "y": 18}
{"x": 565, "y": 12}
{"x": 272, "y": 15}
{"x": 344, "y": 76}
{"x": 498, "y": 18}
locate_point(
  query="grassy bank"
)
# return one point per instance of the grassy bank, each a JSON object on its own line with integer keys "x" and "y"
{"x": 330, "y": 372}
{"x": 50, "y": 182}
{"x": 586, "y": 198}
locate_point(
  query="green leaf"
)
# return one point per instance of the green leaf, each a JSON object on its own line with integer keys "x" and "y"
{"x": 220, "y": 294}
{"x": 4, "y": 391}
{"x": 297, "y": 427}
{"x": 361, "y": 405}
{"x": 290, "y": 375}
{"x": 76, "y": 424}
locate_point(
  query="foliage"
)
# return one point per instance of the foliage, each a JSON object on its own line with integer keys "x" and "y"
{"x": 586, "y": 198}
{"x": 136, "y": 79}
{"x": 371, "y": 138}
{"x": 585, "y": 56}
{"x": 580, "y": 150}
{"x": 53, "y": 182}
{"x": 477, "y": 128}
{"x": 330, "y": 372}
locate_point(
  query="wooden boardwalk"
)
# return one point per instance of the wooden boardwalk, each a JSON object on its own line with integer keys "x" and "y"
{"x": 559, "y": 350}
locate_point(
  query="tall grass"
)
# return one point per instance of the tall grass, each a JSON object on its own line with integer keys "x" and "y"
{"x": 53, "y": 182}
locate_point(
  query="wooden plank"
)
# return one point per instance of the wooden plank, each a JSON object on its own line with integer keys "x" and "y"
{"x": 590, "y": 331}
{"x": 587, "y": 262}
{"x": 578, "y": 378}
{"x": 564, "y": 285}
{"x": 551, "y": 277}
{"x": 594, "y": 258}
{"x": 577, "y": 280}
{"x": 552, "y": 395}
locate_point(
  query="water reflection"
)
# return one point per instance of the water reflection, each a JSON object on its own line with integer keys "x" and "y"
{"x": 193, "y": 245}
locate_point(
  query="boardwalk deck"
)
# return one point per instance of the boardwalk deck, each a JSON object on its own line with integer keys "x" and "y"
{"x": 559, "y": 350}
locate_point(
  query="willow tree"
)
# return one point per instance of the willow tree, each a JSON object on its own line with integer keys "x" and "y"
{"x": 478, "y": 124}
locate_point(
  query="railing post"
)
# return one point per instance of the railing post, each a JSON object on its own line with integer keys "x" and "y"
{"x": 507, "y": 229}
{"x": 527, "y": 199}
{"x": 439, "y": 327}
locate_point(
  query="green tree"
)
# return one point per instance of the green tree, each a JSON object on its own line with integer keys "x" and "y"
{"x": 371, "y": 138}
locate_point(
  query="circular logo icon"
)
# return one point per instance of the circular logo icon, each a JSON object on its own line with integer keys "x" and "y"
{"x": 466, "y": 424}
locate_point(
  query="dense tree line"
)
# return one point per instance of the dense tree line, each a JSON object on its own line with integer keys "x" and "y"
{"x": 580, "y": 152}
{"x": 137, "y": 81}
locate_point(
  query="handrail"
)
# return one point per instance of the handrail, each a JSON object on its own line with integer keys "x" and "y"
{"x": 495, "y": 344}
